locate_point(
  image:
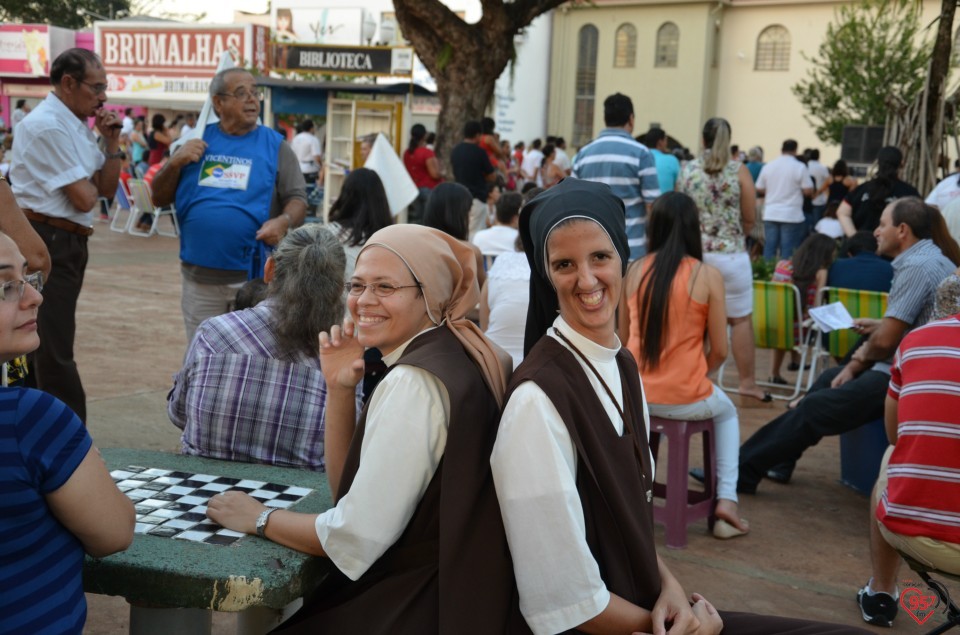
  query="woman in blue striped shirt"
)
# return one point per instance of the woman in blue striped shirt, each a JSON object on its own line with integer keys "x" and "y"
{"x": 57, "y": 500}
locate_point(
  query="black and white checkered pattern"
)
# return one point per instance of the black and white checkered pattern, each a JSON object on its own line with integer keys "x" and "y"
{"x": 173, "y": 504}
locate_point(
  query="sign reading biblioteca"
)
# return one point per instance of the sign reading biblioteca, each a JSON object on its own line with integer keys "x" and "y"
{"x": 345, "y": 60}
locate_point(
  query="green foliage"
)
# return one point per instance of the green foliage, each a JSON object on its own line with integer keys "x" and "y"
{"x": 871, "y": 50}
{"x": 64, "y": 13}
{"x": 763, "y": 269}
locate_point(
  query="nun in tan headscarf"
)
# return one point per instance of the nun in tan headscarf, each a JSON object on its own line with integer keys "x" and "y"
{"x": 415, "y": 533}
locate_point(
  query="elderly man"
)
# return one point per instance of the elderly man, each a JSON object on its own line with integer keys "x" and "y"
{"x": 852, "y": 395}
{"x": 58, "y": 173}
{"x": 251, "y": 388}
{"x": 237, "y": 192}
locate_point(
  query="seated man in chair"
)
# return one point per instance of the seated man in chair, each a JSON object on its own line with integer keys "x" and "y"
{"x": 917, "y": 497}
{"x": 251, "y": 388}
{"x": 850, "y": 396}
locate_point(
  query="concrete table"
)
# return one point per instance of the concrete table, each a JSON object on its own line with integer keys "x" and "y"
{"x": 172, "y": 585}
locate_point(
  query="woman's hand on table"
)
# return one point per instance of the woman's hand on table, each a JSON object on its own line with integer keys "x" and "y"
{"x": 236, "y": 511}
{"x": 341, "y": 356}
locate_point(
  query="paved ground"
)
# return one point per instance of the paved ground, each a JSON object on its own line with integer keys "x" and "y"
{"x": 805, "y": 557}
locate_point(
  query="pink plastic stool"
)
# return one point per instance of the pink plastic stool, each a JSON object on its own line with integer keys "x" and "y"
{"x": 683, "y": 506}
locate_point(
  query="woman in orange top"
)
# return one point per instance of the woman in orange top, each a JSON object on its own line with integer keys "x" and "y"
{"x": 674, "y": 300}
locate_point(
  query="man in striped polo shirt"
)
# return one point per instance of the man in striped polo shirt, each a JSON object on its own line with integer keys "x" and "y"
{"x": 851, "y": 395}
{"x": 626, "y": 165}
{"x": 918, "y": 492}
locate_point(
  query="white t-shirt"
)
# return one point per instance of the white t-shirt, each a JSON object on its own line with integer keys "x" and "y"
{"x": 508, "y": 296}
{"x": 945, "y": 191}
{"x": 558, "y": 579}
{"x": 403, "y": 451}
{"x": 562, "y": 160}
{"x": 495, "y": 240}
{"x": 783, "y": 180}
{"x": 532, "y": 161}
{"x": 829, "y": 227}
{"x": 307, "y": 147}
{"x": 127, "y": 125}
{"x": 820, "y": 173}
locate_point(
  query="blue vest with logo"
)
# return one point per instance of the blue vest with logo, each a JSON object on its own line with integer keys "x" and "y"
{"x": 223, "y": 199}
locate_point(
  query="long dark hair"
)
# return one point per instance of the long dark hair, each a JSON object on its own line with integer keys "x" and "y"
{"x": 815, "y": 253}
{"x": 448, "y": 209}
{"x": 673, "y": 233}
{"x": 417, "y": 134}
{"x": 362, "y": 207}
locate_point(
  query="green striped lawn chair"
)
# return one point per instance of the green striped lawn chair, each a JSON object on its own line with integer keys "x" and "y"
{"x": 859, "y": 304}
{"x": 776, "y": 307}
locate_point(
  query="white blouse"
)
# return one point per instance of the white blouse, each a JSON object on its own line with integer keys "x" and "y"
{"x": 534, "y": 465}
{"x": 403, "y": 442}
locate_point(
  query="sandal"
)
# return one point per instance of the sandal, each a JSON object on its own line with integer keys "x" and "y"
{"x": 767, "y": 397}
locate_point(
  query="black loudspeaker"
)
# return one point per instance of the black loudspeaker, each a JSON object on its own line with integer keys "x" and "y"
{"x": 861, "y": 144}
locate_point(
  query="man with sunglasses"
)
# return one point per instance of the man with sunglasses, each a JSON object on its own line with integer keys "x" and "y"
{"x": 237, "y": 191}
{"x": 59, "y": 171}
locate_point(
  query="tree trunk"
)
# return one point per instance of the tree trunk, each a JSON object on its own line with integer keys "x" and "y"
{"x": 921, "y": 125}
{"x": 465, "y": 60}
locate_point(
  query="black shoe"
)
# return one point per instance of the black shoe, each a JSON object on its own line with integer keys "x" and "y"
{"x": 697, "y": 474}
{"x": 878, "y": 609}
{"x": 794, "y": 366}
{"x": 777, "y": 379}
{"x": 780, "y": 473}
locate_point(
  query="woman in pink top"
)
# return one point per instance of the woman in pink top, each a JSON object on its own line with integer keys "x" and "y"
{"x": 673, "y": 300}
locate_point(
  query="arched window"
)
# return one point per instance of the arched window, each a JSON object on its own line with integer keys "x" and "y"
{"x": 586, "y": 84}
{"x": 625, "y": 51}
{"x": 773, "y": 49}
{"x": 668, "y": 44}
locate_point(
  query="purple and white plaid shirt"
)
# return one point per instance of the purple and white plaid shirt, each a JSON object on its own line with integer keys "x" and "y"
{"x": 239, "y": 397}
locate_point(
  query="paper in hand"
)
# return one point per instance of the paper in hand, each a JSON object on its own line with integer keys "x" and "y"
{"x": 831, "y": 317}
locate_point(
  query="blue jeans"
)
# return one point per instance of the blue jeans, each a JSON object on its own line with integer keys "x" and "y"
{"x": 785, "y": 236}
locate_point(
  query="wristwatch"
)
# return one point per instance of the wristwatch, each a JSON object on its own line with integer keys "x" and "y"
{"x": 262, "y": 521}
{"x": 119, "y": 154}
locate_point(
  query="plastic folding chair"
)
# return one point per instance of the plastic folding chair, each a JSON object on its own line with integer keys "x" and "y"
{"x": 140, "y": 191}
{"x": 859, "y": 304}
{"x": 776, "y": 324}
{"x": 950, "y": 609}
{"x": 123, "y": 206}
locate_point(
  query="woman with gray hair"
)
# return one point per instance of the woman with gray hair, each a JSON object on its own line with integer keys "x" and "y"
{"x": 251, "y": 388}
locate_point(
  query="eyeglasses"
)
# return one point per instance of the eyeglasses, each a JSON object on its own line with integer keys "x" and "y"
{"x": 242, "y": 94}
{"x": 99, "y": 89}
{"x": 380, "y": 289}
{"x": 35, "y": 280}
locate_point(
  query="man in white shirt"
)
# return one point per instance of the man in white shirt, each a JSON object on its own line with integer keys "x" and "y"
{"x": 127, "y": 127}
{"x": 819, "y": 173}
{"x": 19, "y": 113}
{"x": 58, "y": 173}
{"x": 503, "y": 235}
{"x": 307, "y": 148}
{"x": 783, "y": 183}
{"x": 187, "y": 128}
{"x": 532, "y": 161}
{"x": 561, "y": 159}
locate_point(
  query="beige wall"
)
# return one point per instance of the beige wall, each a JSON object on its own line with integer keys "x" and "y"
{"x": 760, "y": 106}
{"x": 671, "y": 96}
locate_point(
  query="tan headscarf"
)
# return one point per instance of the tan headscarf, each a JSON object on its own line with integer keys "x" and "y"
{"x": 446, "y": 269}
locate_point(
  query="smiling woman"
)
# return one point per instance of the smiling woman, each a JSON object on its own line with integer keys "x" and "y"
{"x": 415, "y": 505}
{"x": 58, "y": 499}
{"x": 571, "y": 462}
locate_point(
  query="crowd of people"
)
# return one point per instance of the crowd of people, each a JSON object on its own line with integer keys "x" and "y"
{"x": 495, "y": 359}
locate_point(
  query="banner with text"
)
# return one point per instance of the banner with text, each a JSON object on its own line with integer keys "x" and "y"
{"x": 345, "y": 60}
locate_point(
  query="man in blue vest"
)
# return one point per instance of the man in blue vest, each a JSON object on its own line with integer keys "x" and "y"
{"x": 237, "y": 191}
